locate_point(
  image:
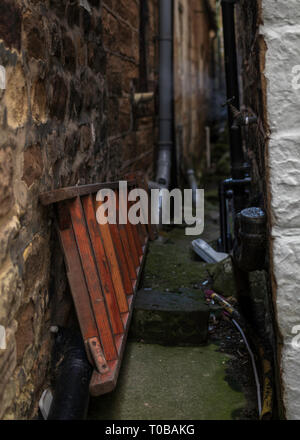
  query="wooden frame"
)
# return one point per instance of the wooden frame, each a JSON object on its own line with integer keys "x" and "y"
{"x": 104, "y": 264}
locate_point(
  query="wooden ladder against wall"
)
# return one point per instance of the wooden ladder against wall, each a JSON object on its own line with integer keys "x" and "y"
{"x": 104, "y": 263}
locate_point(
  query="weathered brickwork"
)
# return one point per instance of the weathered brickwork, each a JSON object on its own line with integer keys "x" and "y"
{"x": 193, "y": 55}
{"x": 67, "y": 116}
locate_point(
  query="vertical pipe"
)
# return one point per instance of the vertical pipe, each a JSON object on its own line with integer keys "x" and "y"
{"x": 224, "y": 247}
{"x": 208, "y": 148}
{"x": 165, "y": 93}
{"x": 143, "y": 67}
{"x": 235, "y": 136}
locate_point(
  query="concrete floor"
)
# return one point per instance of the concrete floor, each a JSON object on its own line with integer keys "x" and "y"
{"x": 171, "y": 383}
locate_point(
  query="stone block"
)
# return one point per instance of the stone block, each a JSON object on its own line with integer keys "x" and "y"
{"x": 278, "y": 12}
{"x": 33, "y": 164}
{"x": 284, "y": 163}
{"x": 7, "y": 234}
{"x": 39, "y": 102}
{"x": 69, "y": 54}
{"x": 10, "y": 295}
{"x": 36, "y": 267}
{"x": 6, "y": 176}
{"x": 170, "y": 318}
{"x": 16, "y": 97}
{"x": 10, "y": 24}
{"x": 282, "y": 55}
{"x": 223, "y": 277}
{"x": 59, "y": 98}
{"x": 35, "y": 41}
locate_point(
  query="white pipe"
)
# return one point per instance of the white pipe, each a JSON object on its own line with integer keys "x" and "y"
{"x": 143, "y": 97}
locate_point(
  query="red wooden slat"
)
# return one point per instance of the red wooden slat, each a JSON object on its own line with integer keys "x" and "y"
{"x": 142, "y": 226}
{"x": 103, "y": 267}
{"x": 113, "y": 264}
{"x": 124, "y": 264}
{"x": 132, "y": 245}
{"x": 78, "y": 286}
{"x": 136, "y": 237}
{"x": 123, "y": 204}
{"x": 92, "y": 280}
{"x": 127, "y": 250}
{"x": 151, "y": 230}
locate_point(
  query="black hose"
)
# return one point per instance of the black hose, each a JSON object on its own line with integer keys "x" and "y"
{"x": 71, "y": 395}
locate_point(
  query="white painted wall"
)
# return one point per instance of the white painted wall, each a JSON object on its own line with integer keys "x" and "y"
{"x": 281, "y": 31}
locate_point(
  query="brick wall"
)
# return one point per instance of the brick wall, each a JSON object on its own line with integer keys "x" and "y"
{"x": 67, "y": 117}
{"x": 193, "y": 53}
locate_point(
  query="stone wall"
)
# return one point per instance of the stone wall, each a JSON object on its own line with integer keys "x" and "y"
{"x": 269, "y": 37}
{"x": 194, "y": 74}
{"x": 281, "y": 32}
{"x": 67, "y": 116}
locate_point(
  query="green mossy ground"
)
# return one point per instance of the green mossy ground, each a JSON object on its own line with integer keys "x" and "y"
{"x": 171, "y": 383}
{"x": 171, "y": 264}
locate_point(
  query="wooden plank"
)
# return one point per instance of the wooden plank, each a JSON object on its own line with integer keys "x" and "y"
{"x": 113, "y": 264}
{"x": 123, "y": 204}
{"x": 133, "y": 246}
{"x": 127, "y": 250}
{"x": 152, "y": 231}
{"x": 78, "y": 285}
{"x": 103, "y": 266}
{"x": 142, "y": 226}
{"x": 115, "y": 232}
{"x": 103, "y": 384}
{"x": 61, "y": 194}
{"x": 136, "y": 237}
{"x": 92, "y": 280}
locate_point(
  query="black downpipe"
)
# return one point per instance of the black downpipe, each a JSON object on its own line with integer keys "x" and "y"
{"x": 226, "y": 189}
{"x": 143, "y": 67}
{"x": 232, "y": 86}
{"x": 71, "y": 395}
{"x": 239, "y": 168}
{"x": 166, "y": 98}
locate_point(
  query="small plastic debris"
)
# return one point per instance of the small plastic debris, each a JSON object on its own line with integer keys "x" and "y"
{"x": 207, "y": 253}
{"x": 2, "y": 338}
{"x": 45, "y": 403}
{"x": 54, "y": 329}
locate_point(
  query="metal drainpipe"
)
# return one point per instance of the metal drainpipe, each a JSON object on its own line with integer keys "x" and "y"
{"x": 239, "y": 168}
{"x": 232, "y": 85}
{"x": 163, "y": 175}
{"x": 71, "y": 394}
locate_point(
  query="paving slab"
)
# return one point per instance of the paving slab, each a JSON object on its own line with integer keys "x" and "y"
{"x": 170, "y": 318}
{"x": 171, "y": 383}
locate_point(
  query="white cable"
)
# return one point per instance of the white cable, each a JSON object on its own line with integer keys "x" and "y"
{"x": 253, "y": 365}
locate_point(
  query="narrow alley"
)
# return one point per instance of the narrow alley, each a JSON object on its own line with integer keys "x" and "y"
{"x": 149, "y": 210}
